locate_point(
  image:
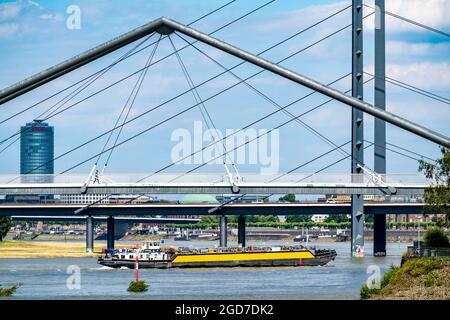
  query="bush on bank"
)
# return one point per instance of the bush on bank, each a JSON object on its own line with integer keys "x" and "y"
{"x": 427, "y": 269}
{"x": 8, "y": 291}
{"x": 436, "y": 237}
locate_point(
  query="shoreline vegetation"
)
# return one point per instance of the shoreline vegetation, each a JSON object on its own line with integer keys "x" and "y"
{"x": 416, "y": 279}
{"x": 9, "y": 291}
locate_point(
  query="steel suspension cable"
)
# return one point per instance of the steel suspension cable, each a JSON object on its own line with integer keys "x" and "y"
{"x": 89, "y": 76}
{"x": 93, "y": 77}
{"x": 412, "y": 88}
{"x": 72, "y": 94}
{"x": 264, "y": 96}
{"x": 199, "y": 100}
{"x": 261, "y": 135}
{"x": 132, "y": 98}
{"x": 228, "y": 88}
{"x": 412, "y": 22}
{"x": 158, "y": 61}
{"x": 242, "y": 129}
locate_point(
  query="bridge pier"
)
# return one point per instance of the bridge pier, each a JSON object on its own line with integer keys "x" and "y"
{"x": 223, "y": 230}
{"x": 241, "y": 230}
{"x": 379, "y": 235}
{"x": 357, "y": 154}
{"x": 89, "y": 234}
{"x": 110, "y": 233}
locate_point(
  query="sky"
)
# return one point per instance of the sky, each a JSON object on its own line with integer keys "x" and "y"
{"x": 34, "y": 35}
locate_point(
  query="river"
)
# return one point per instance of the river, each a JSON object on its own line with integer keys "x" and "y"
{"x": 340, "y": 279}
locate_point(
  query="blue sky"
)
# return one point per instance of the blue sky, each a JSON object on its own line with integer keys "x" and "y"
{"x": 34, "y": 36}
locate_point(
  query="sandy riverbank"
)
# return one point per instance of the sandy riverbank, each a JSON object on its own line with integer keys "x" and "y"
{"x": 53, "y": 249}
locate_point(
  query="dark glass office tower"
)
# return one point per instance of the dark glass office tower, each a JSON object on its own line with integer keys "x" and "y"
{"x": 36, "y": 148}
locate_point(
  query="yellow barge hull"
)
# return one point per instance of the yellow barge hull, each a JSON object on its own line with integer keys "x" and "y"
{"x": 251, "y": 259}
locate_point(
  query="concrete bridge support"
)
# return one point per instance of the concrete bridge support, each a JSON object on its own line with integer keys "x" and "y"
{"x": 89, "y": 234}
{"x": 110, "y": 233}
{"x": 357, "y": 206}
{"x": 223, "y": 230}
{"x": 241, "y": 230}
{"x": 379, "y": 235}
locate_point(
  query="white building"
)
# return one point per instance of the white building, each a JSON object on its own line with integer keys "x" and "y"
{"x": 319, "y": 217}
{"x": 84, "y": 198}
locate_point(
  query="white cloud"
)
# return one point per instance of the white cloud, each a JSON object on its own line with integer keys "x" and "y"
{"x": 425, "y": 75}
{"x": 52, "y": 16}
{"x": 8, "y": 30}
{"x": 9, "y": 10}
{"x": 433, "y": 13}
{"x": 415, "y": 49}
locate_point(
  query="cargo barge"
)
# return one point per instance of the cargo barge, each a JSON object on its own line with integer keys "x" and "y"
{"x": 151, "y": 255}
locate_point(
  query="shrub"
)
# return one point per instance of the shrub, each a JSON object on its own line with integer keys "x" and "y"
{"x": 431, "y": 277}
{"x": 416, "y": 267}
{"x": 366, "y": 292}
{"x": 435, "y": 237}
{"x": 8, "y": 291}
{"x": 139, "y": 286}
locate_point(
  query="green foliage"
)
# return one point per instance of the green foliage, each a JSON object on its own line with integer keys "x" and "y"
{"x": 417, "y": 267}
{"x": 437, "y": 197}
{"x": 209, "y": 219}
{"x": 289, "y": 198}
{"x": 431, "y": 278}
{"x": 366, "y": 292}
{"x": 389, "y": 276}
{"x": 337, "y": 218}
{"x": 5, "y": 224}
{"x": 298, "y": 218}
{"x": 9, "y": 291}
{"x": 139, "y": 286}
{"x": 436, "y": 237}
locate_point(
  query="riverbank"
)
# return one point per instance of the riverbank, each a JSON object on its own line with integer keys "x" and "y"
{"x": 416, "y": 279}
{"x": 51, "y": 249}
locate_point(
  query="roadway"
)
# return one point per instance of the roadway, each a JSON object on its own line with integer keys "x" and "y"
{"x": 164, "y": 209}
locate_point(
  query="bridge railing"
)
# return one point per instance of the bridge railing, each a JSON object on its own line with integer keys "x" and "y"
{"x": 217, "y": 178}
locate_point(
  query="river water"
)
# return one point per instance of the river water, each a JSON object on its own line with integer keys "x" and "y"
{"x": 340, "y": 279}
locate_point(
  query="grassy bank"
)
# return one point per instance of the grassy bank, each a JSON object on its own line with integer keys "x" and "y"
{"x": 53, "y": 249}
{"x": 416, "y": 279}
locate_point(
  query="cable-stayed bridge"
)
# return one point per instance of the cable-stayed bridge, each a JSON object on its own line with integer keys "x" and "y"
{"x": 362, "y": 179}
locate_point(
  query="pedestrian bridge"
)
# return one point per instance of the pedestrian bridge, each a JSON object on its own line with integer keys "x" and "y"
{"x": 215, "y": 183}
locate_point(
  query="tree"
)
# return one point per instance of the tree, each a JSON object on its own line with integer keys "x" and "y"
{"x": 337, "y": 218}
{"x": 437, "y": 197}
{"x": 5, "y": 226}
{"x": 436, "y": 237}
{"x": 289, "y": 198}
{"x": 298, "y": 218}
